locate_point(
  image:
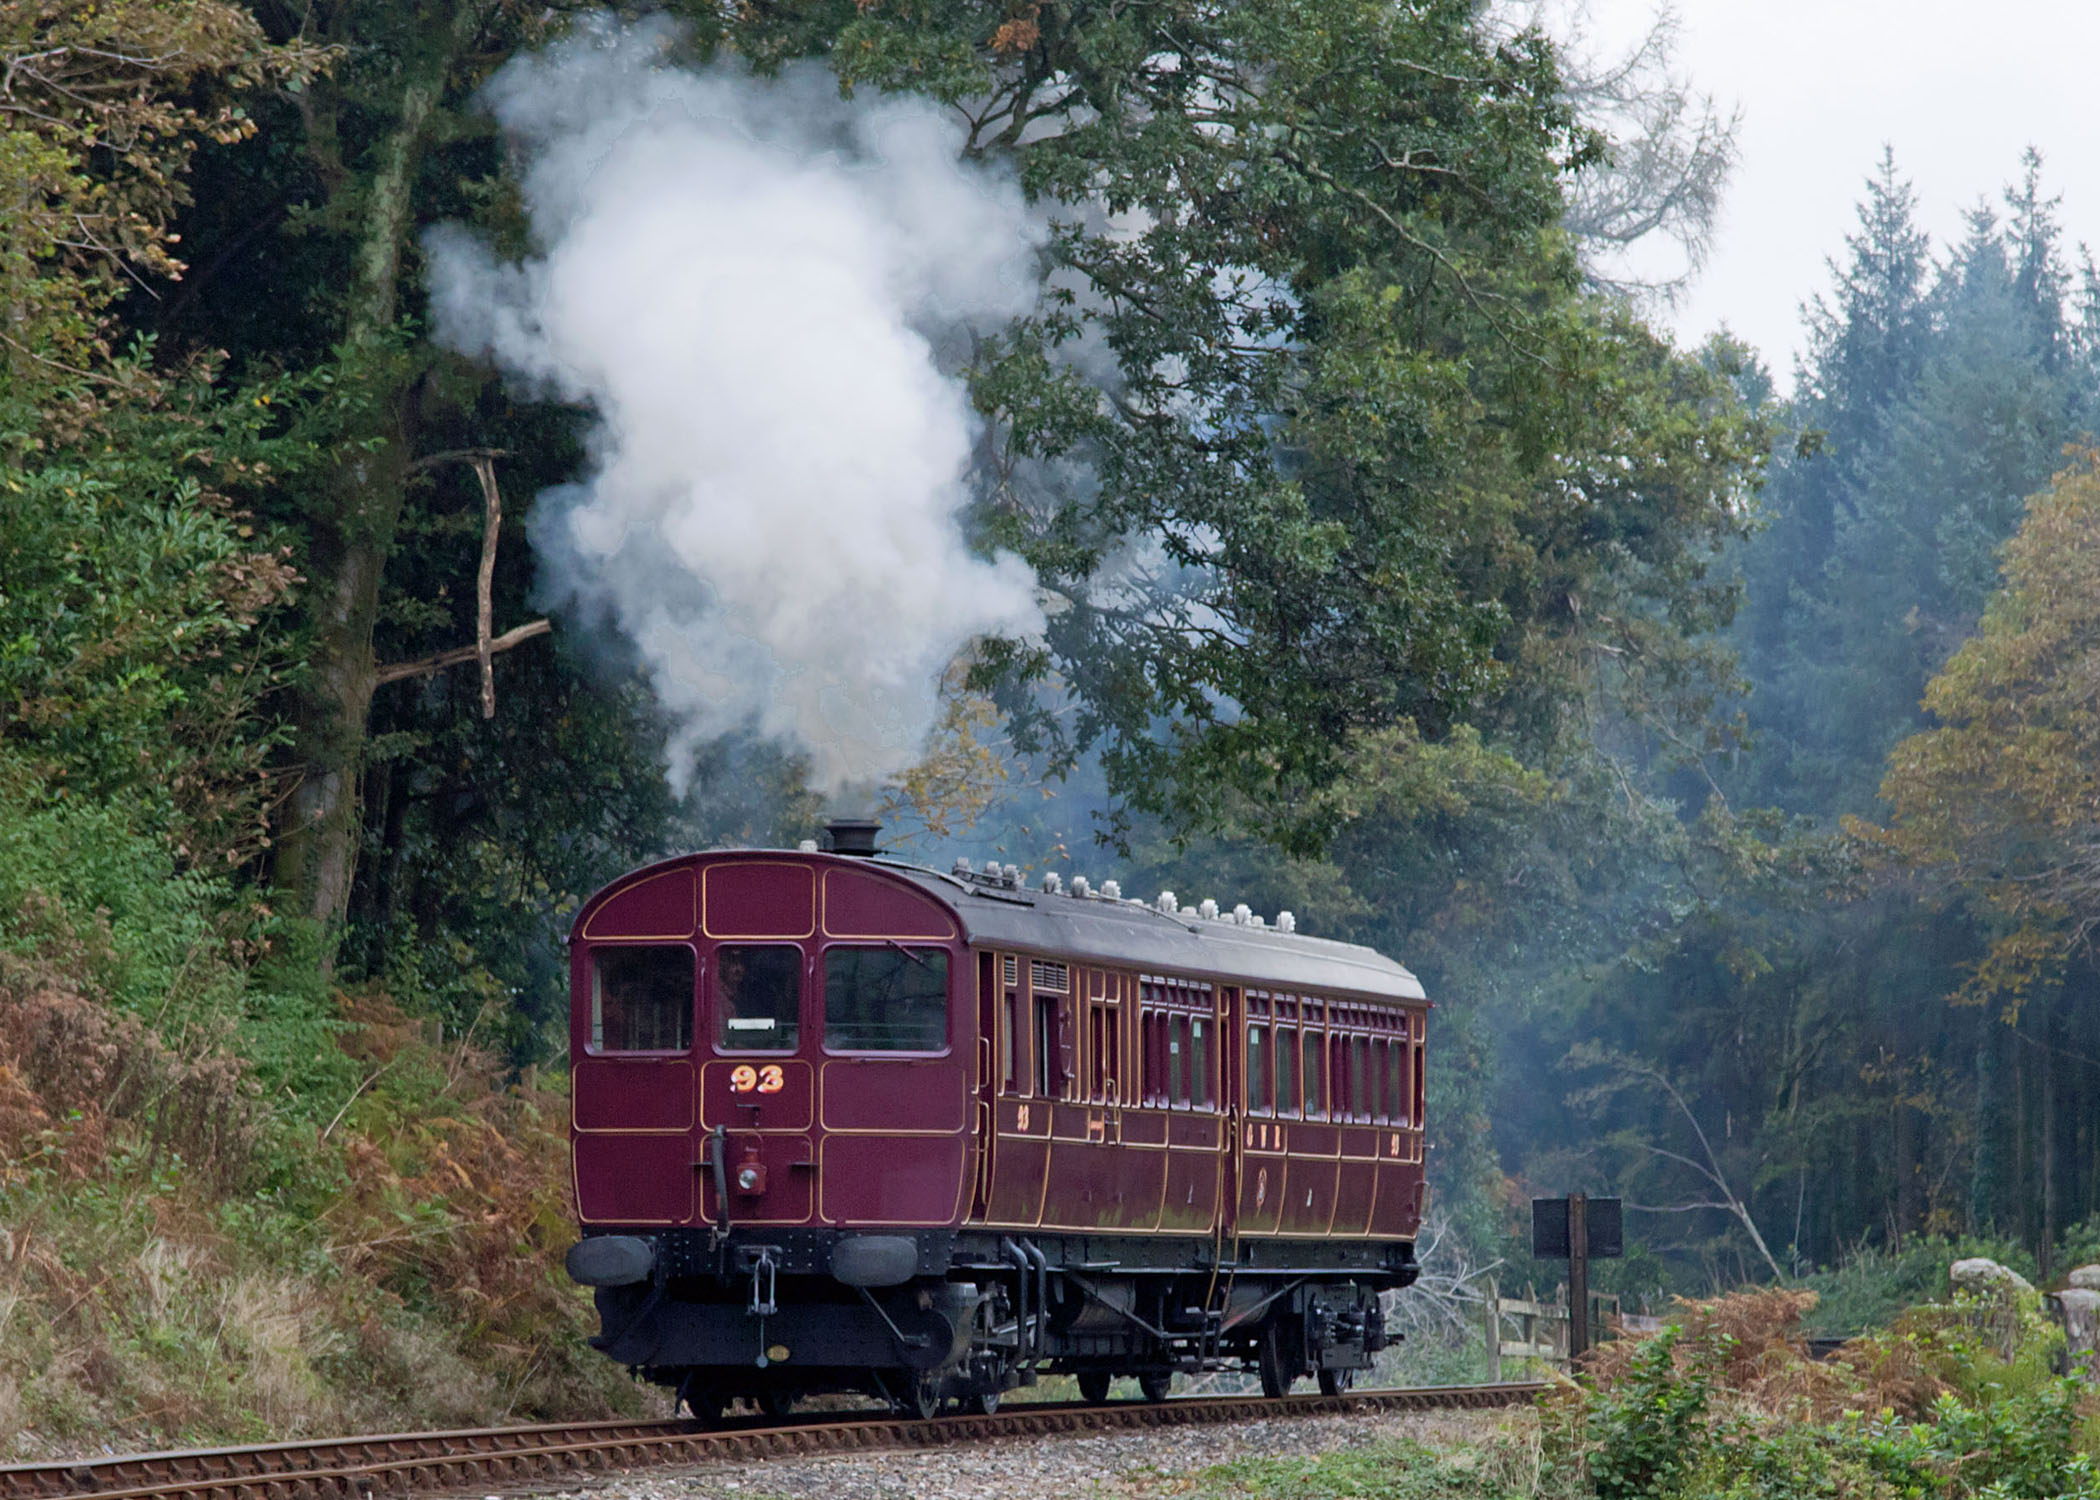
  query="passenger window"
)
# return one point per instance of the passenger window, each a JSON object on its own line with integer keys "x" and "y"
{"x": 1258, "y": 1069}
{"x": 1286, "y": 1070}
{"x": 1359, "y": 1092}
{"x": 888, "y": 999}
{"x": 1395, "y": 1085}
{"x": 1177, "y": 1060}
{"x": 1200, "y": 1088}
{"x": 758, "y": 998}
{"x": 1315, "y": 1059}
{"x": 642, "y": 999}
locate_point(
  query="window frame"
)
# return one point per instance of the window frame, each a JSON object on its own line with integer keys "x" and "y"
{"x": 948, "y": 998}
{"x": 712, "y": 1000}
{"x": 593, "y": 1021}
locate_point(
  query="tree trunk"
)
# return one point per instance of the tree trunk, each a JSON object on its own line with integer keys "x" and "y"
{"x": 355, "y": 517}
{"x": 1910, "y": 1172}
{"x": 2052, "y": 1223}
{"x": 1984, "y": 1166}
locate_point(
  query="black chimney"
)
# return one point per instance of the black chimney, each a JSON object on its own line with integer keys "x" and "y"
{"x": 855, "y": 836}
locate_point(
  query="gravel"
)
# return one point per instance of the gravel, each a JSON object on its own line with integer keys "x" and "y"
{"x": 1123, "y": 1465}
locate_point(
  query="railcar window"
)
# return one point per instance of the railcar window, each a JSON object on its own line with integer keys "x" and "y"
{"x": 1395, "y": 1086}
{"x": 1258, "y": 1069}
{"x": 1421, "y": 1083}
{"x": 1202, "y": 1092}
{"x": 1286, "y": 1070}
{"x": 1359, "y": 1093}
{"x": 1315, "y": 1073}
{"x": 1009, "y": 1042}
{"x": 758, "y": 997}
{"x": 642, "y": 999}
{"x": 1177, "y": 1061}
{"x": 1049, "y": 1077}
{"x": 887, "y": 999}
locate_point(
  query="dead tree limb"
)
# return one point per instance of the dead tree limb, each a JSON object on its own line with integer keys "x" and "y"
{"x": 484, "y": 647}
{"x": 485, "y": 582}
{"x": 457, "y": 456}
{"x": 424, "y": 666}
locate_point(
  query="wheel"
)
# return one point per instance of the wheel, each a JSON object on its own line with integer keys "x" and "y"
{"x": 1154, "y": 1388}
{"x": 983, "y": 1403}
{"x": 1334, "y": 1382}
{"x": 773, "y": 1404}
{"x": 1276, "y": 1374}
{"x": 704, "y": 1405}
{"x": 921, "y": 1399}
{"x": 1093, "y": 1386}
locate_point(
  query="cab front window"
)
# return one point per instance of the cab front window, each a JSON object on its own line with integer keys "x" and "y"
{"x": 886, "y": 999}
{"x": 758, "y": 997}
{"x": 642, "y": 999}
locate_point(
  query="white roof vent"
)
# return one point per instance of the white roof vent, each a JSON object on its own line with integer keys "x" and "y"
{"x": 807, "y": 846}
{"x": 1208, "y": 911}
{"x": 1242, "y": 914}
{"x": 1285, "y": 922}
{"x": 1111, "y": 891}
{"x": 1012, "y": 878}
{"x": 1053, "y": 883}
{"x": 1167, "y": 903}
{"x": 1255, "y": 919}
{"x": 962, "y": 866}
{"x": 1080, "y": 888}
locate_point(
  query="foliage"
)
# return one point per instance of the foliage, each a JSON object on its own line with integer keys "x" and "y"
{"x": 2000, "y": 802}
{"x": 101, "y": 108}
{"x": 1872, "y": 1286}
{"x": 1360, "y": 457}
{"x": 133, "y": 660}
{"x": 1725, "y": 1402}
{"x": 1781, "y": 973}
{"x": 1642, "y": 1434}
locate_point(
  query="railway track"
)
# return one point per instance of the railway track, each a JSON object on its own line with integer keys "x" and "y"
{"x": 489, "y": 1459}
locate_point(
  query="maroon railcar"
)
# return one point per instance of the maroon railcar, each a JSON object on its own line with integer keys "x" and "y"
{"x": 844, "y": 1122}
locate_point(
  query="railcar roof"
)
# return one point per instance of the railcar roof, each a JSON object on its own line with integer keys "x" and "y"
{"x": 1135, "y": 935}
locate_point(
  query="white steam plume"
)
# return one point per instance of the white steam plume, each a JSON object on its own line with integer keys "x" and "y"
{"x": 746, "y": 281}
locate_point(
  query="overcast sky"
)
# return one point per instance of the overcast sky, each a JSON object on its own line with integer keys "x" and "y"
{"x": 1958, "y": 89}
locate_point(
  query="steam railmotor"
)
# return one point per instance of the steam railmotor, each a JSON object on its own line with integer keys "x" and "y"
{"x": 841, "y": 1122}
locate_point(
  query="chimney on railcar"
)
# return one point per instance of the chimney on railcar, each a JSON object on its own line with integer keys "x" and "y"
{"x": 854, "y": 836}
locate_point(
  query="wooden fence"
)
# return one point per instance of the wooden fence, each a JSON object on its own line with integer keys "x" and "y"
{"x": 1540, "y": 1327}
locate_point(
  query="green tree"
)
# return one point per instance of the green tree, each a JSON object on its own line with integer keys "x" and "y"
{"x": 2002, "y": 799}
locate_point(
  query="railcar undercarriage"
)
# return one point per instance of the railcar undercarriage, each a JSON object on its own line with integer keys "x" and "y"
{"x": 931, "y": 1318}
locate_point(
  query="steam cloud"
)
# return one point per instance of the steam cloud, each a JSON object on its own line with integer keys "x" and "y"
{"x": 749, "y": 282}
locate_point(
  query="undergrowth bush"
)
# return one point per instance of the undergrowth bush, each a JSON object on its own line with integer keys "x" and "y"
{"x": 1874, "y": 1285}
{"x": 1725, "y": 1403}
{"x": 234, "y": 1205}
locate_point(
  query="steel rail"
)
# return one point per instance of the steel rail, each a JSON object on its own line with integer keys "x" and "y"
{"x": 407, "y": 1464}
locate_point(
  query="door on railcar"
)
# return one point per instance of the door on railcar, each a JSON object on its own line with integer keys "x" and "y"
{"x": 758, "y": 1057}
{"x": 1268, "y": 1098}
{"x": 1399, "y": 1095}
{"x": 1355, "y": 1111}
{"x": 634, "y": 972}
{"x": 1028, "y": 1077}
{"x": 1178, "y": 1035}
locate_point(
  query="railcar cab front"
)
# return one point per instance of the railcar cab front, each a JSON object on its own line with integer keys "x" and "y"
{"x": 755, "y": 1034}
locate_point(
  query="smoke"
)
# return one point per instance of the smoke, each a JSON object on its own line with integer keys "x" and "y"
{"x": 751, "y": 284}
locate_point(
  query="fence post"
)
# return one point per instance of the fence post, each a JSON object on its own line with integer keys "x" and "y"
{"x": 1494, "y": 1334}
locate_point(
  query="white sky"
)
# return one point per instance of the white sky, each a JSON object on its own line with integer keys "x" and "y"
{"x": 1958, "y": 88}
